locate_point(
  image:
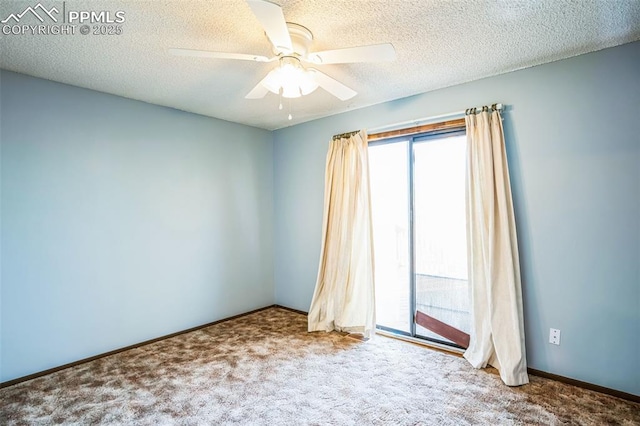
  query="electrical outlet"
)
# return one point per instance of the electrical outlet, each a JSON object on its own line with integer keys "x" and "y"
{"x": 554, "y": 336}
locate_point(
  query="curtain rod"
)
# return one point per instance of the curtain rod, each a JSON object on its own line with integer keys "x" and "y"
{"x": 345, "y": 135}
{"x": 425, "y": 120}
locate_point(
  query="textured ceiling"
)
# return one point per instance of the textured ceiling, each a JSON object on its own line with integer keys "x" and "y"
{"x": 439, "y": 43}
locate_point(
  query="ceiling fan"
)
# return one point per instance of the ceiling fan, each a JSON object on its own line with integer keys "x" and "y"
{"x": 291, "y": 42}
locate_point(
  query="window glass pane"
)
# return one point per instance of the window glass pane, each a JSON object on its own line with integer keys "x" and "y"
{"x": 442, "y": 290}
{"x": 390, "y": 213}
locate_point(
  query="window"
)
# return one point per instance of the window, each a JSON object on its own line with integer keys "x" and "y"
{"x": 418, "y": 208}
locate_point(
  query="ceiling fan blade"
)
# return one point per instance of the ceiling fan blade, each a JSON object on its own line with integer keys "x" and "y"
{"x": 333, "y": 86}
{"x": 272, "y": 20}
{"x": 219, "y": 55}
{"x": 373, "y": 53}
{"x": 259, "y": 91}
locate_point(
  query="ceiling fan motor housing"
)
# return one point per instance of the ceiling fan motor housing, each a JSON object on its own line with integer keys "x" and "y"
{"x": 301, "y": 39}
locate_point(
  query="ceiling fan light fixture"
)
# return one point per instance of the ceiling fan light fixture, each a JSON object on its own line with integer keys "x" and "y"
{"x": 290, "y": 91}
{"x": 291, "y": 78}
{"x": 308, "y": 83}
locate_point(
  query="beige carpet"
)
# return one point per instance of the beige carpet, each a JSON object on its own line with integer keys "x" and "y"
{"x": 266, "y": 369}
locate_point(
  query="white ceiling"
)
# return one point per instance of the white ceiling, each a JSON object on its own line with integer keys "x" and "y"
{"x": 439, "y": 43}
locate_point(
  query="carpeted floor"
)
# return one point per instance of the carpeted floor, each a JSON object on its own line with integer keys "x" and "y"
{"x": 265, "y": 368}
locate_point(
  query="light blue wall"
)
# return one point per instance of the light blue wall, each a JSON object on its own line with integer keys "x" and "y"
{"x": 123, "y": 221}
{"x": 573, "y": 136}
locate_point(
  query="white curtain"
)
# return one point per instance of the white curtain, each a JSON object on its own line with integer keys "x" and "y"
{"x": 344, "y": 296}
{"x": 497, "y": 335}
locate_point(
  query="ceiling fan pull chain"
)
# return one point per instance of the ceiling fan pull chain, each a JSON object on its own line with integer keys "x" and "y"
{"x": 290, "y": 116}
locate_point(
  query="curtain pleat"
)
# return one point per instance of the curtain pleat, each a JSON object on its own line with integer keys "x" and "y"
{"x": 497, "y": 336}
{"x": 344, "y": 295}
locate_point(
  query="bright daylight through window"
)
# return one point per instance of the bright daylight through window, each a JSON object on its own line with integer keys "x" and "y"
{"x": 421, "y": 257}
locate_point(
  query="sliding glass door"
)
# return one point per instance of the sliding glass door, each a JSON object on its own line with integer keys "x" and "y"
{"x": 418, "y": 202}
{"x": 389, "y": 170}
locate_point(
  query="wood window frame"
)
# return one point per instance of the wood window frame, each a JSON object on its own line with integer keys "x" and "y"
{"x": 409, "y": 131}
